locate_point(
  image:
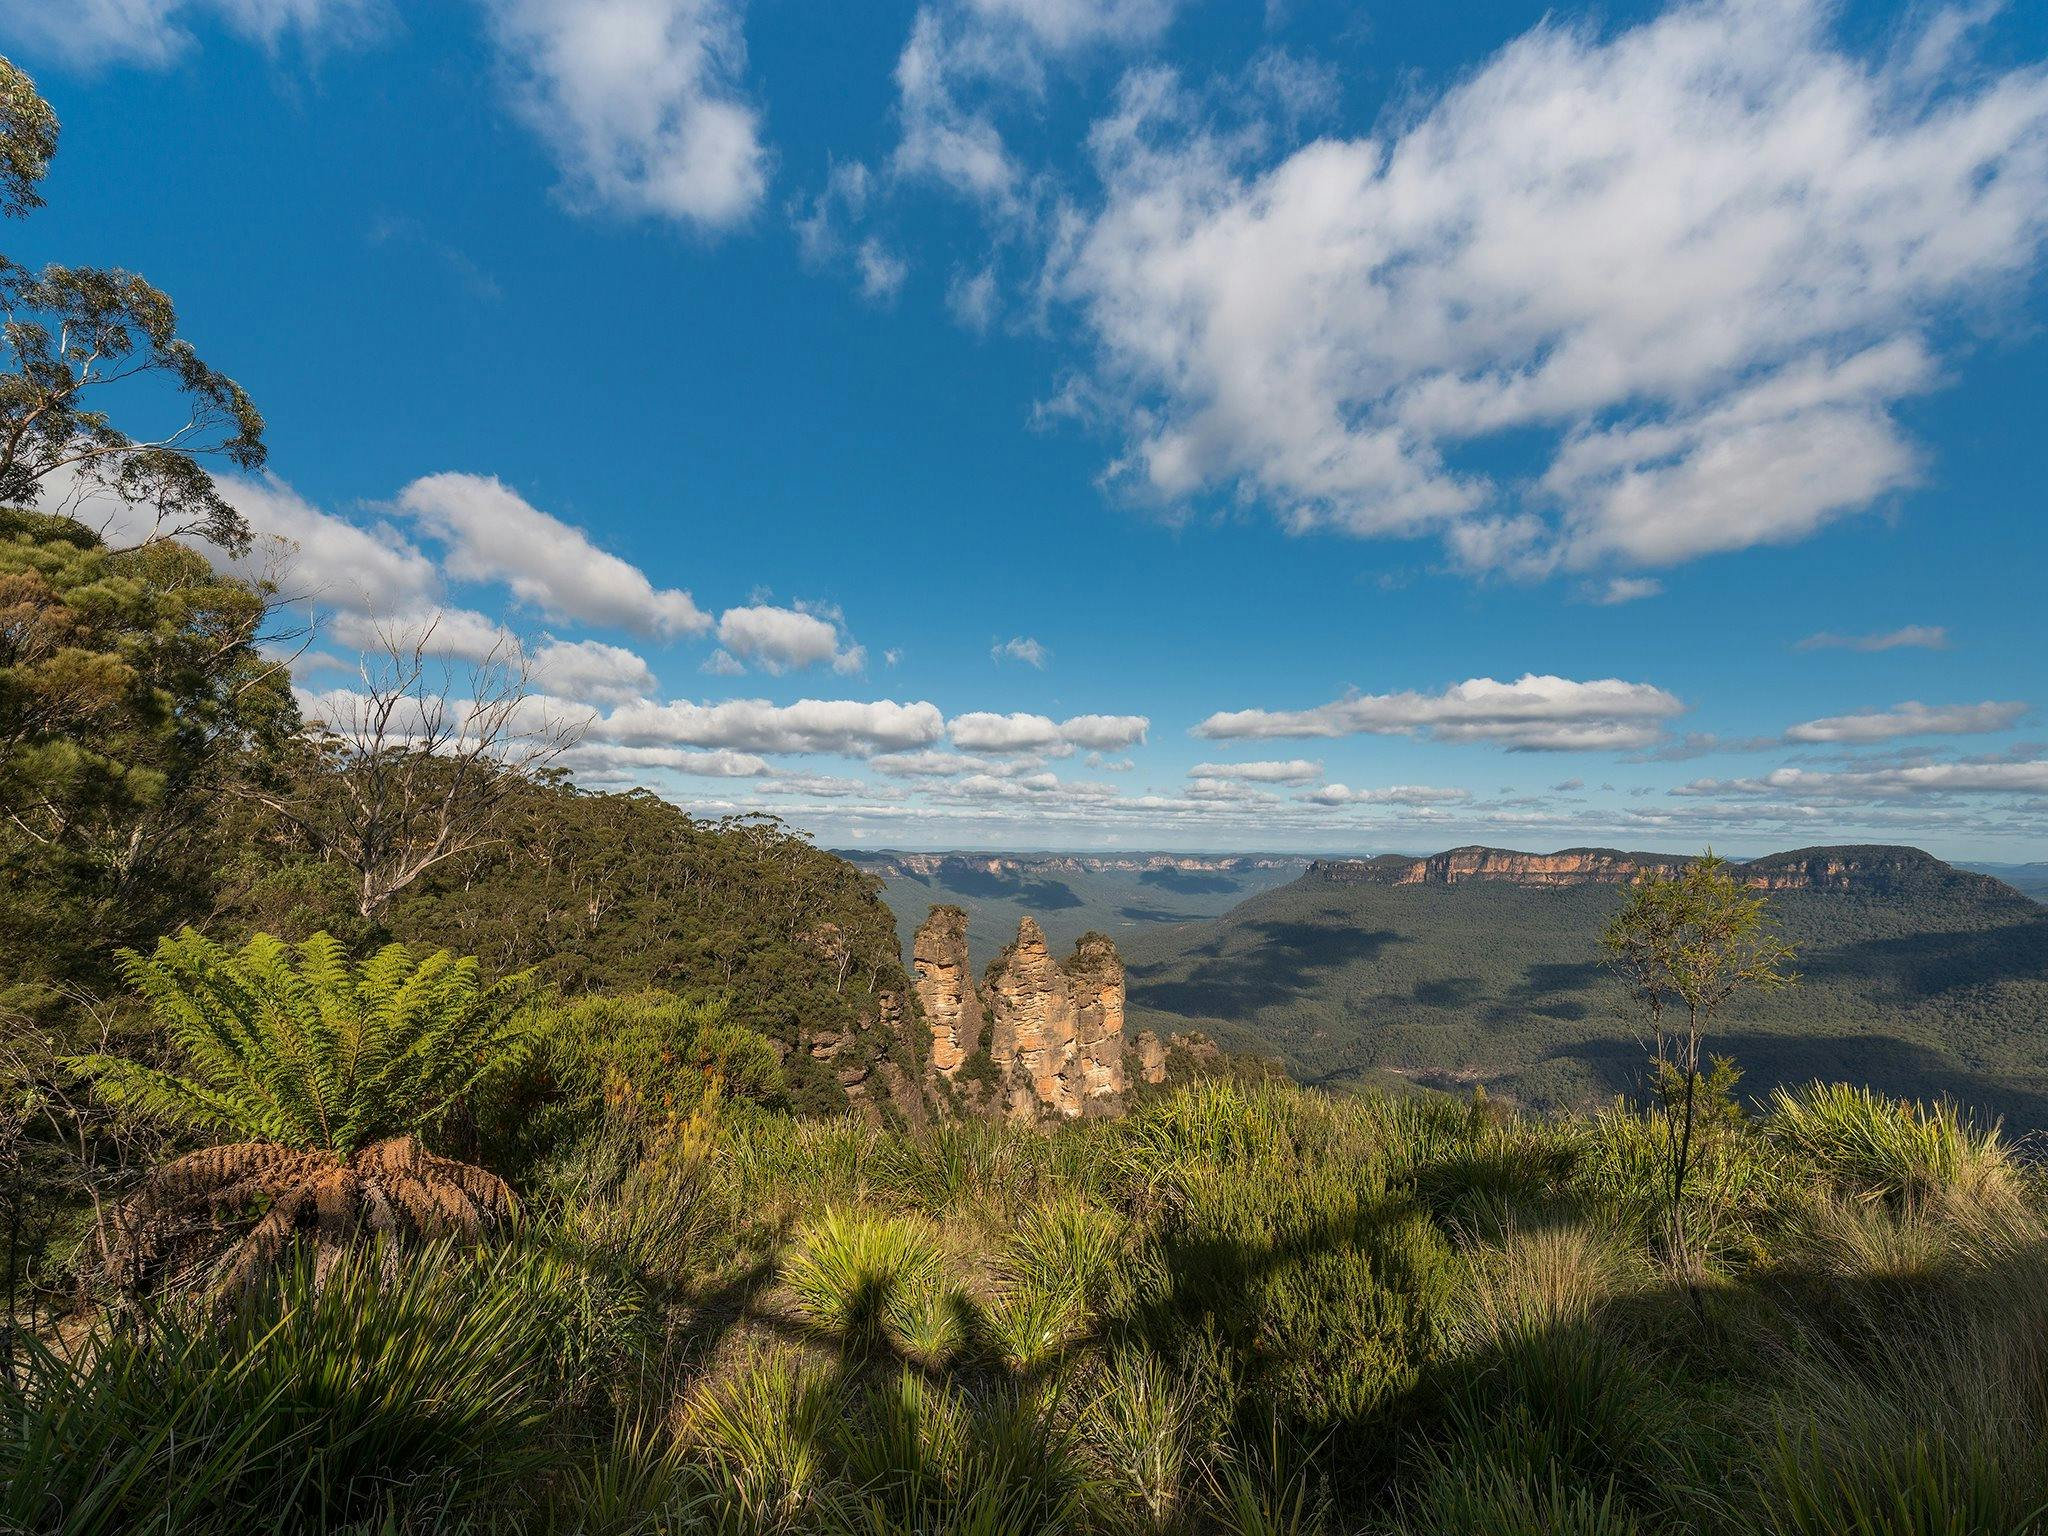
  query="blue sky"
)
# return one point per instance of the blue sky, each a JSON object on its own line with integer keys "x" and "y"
{"x": 1141, "y": 423}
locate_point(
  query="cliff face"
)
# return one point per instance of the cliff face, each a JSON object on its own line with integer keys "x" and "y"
{"x": 1873, "y": 869}
{"x": 1054, "y": 1028}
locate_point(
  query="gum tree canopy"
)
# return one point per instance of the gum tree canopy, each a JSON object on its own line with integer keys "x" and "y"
{"x": 72, "y": 337}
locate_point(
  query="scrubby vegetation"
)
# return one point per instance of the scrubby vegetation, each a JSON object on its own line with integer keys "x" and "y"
{"x": 1241, "y": 1308}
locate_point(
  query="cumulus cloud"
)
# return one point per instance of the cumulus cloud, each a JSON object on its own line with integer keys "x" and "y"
{"x": 612, "y": 760}
{"x": 1926, "y": 637}
{"x": 154, "y": 33}
{"x": 1701, "y": 259}
{"x": 1909, "y": 719}
{"x": 1297, "y": 770}
{"x": 492, "y": 534}
{"x": 982, "y": 731}
{"x": 842, "y": 726}
{"x": 1021, "y": 648}
{"x": 591, "y": 671}
{"x": 639, "y": 102}
{"x": 1413, "y": 795}
{"x": 787, "y": 639}
{"x": 1534, "y": 713}
{"x": 458, "y": 634}
{"x": 971, "y": 299}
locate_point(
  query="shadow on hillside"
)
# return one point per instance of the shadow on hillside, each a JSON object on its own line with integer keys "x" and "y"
{"x": 1191, "y": 882}
{"x": 1042, "y": 894}
{"x": 1153, "y": 915}
{"x": 1921, "y": 964}
{"x": 1280, "y": 960}
{"x": 1897, "y": 1068}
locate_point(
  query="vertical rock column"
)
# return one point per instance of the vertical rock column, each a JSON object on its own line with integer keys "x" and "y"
{"x": 1032, "y": 1026}
{"x": 1097, "y": 974}
{"x": 945, "y": 989}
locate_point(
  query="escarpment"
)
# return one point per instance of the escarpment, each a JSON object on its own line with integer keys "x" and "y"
{"x": 1876, "y": 870}
{"x": 1037, "y": 1036}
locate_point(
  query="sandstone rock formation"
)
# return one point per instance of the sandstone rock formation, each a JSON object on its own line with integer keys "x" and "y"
{"x": 1054, "y": 1029}
{"x": 945, "y": 988}
{"x": 1151, "y": 1058}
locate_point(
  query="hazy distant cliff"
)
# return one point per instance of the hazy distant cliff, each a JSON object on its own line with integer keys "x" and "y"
{"x": 1874, "y": 869}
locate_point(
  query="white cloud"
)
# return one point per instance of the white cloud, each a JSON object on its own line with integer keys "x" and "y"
{"x": 1297, "y": 770}
{"x": 640, "y": 102}
{"x": 1413, "y": 795}
{"x": 722, "y": 664}
{"x": 612, "y": 760}
{"x": 1021, "y": 648}
{"x": 460, "y": 634}
{"x": 964, "y": 58}
{"x": 787, "y": 639}
{"x": 843, "y": 726}
{"x": 928, "y": 765}
{"x": 882, "y": 271}
{"x": 1627, "y": 589}
{"x": 153, "y": 33}
{"x": 971, "y": 299}
{"x": 1531, "y": 714}
{"x": 981, "y": 731}
{"x": 1927, "y": 637}
{"x": 591, "y": 671}
{"x": 1702, "y": 257}
{"x": 493, "y": 534}
{"x": 1910, "y": 719}
{"x": 1849, "y": 786}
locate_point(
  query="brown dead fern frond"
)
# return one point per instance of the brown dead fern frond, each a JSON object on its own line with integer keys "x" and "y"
{"x": 225, "y": 1215}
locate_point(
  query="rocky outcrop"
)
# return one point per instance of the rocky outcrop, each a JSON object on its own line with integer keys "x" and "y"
{"x": 1054, "y": 1030}
{"x": 1151, "y": 1058}
{"x": 1872, "y": 869}
{"x": 945, "y": 989}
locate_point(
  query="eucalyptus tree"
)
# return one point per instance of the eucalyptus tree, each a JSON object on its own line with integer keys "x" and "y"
{"x": 75, "y": 339}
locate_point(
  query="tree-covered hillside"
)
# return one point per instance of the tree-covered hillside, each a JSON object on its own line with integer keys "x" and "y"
{"x": 1933, "y": 982}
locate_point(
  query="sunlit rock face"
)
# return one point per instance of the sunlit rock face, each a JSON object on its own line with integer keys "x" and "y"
{"x": 946, "y": 990}
{"x": 1054, "y": 1029}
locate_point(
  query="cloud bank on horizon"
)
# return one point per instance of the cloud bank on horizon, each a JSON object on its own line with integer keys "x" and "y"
{"x": 1600, "y": 304}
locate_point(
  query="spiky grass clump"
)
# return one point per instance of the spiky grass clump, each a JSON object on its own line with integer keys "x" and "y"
{"x": 310, "y": 1404}
{"x": 765, "y": 1433}
{"x": 1140, "y": 1435}
{"x": 852, "y": 1273}
{"x": 1870, "y": 1145}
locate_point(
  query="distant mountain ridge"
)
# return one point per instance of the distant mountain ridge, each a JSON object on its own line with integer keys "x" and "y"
{"x": 1875, "y": 868}
{"x": 1484, "y": 965}
{"x": 928, "y": 864}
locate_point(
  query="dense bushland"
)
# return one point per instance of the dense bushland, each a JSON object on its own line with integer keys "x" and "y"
{"x": 1242, "y": 1307}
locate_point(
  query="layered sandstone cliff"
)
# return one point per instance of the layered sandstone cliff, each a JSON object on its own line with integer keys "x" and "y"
{"x": 1874, "y": 869}
{"x": 1052, "y": 1030}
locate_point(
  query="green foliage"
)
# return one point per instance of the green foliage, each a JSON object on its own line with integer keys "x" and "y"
{"x": 131, "y": 698}
{"x": 1873, "y": 1146}
{"x": 309, "y": 1051}
{"x": 310, "y": 1405}
{"x": 1246, "y": 1307}
{"x": 1924, "y": 980}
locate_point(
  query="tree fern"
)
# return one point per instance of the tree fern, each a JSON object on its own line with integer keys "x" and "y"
{"x": 294, "y": 1045}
